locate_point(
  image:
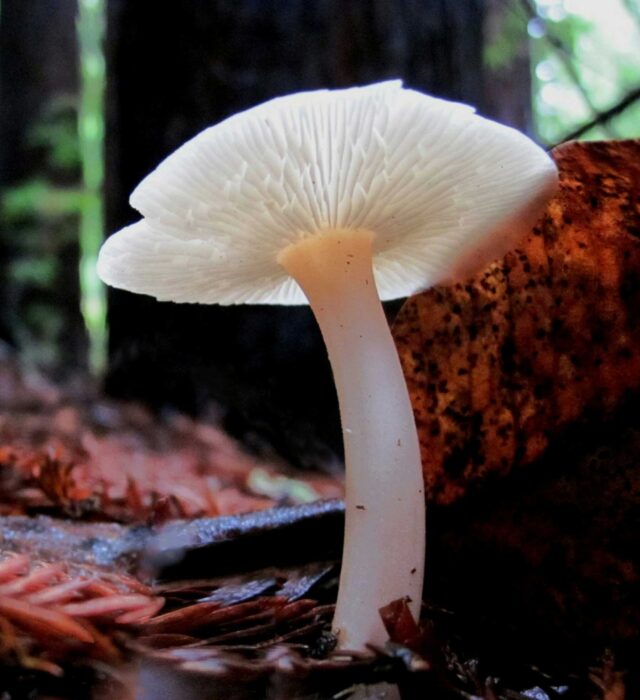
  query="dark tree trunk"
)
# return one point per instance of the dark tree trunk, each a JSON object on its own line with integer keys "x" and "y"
{"x": 37, "y": 63}
{"x": 175, "y": 72}
{"x": 39, "y": 297}
{"x": 507, "y": 76}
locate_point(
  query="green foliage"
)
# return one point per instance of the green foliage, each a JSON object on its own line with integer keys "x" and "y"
{"x": 34, "y": 272}
{"x": 38, "y": 224}
{"x": 584, "y": 59}
{"x": 568, "y": 33}
{"x": 52, "y": 223}
{"x": 91, "y": 29}
{"x": 39, "y": 232}
{"x": 507, "y": 41}
{"x": 38, "y": 333}
{"x": 56, "y": 133}
{"x": 633, "y": 8}
{"x": 583, "y": 64}
{"x": 41, "y": 199}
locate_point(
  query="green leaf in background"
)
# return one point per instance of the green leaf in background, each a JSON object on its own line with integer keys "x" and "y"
{"x": 35, "y": 273}
{"x": 585, "y": 58}
{"x": 56, "y": 133}
{"x": 38, "y": 198}
{"x": 500, "y": 52}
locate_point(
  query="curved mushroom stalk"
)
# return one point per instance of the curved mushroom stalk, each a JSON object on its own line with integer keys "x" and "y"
{"x": 384, "y": 547}
{"x": 435, "y": 183}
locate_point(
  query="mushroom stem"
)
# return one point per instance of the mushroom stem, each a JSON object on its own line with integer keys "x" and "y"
{"x": 384, "y": 546}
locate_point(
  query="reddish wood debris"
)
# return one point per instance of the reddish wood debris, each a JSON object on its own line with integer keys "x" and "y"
{"x": 400, "y": 625}
{"x": 268, "y": 644}
{"x": 50, "y": 613}
{"x": 92, "y": 458}
{"x": 499, "y": 366}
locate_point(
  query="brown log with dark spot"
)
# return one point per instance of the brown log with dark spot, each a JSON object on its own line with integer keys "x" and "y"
{"x": 503, "y": 364}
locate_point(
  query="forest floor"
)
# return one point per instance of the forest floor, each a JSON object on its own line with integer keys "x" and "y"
{"x": 143, "y": 556}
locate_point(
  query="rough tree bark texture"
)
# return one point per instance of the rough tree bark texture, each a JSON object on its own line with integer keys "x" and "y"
{"x": 38, "y": 91}
{"x": 173, "y": 73}
{"x": 525, "y": 381}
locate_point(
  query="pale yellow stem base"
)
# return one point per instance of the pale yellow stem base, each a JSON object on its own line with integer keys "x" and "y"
{"x": 384, "y": 547}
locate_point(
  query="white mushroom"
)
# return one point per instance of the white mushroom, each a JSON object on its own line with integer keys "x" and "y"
{"x": 340, "y": 199}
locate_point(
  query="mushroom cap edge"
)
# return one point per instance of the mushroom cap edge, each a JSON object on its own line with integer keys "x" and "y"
{"x": 435, "y": 182}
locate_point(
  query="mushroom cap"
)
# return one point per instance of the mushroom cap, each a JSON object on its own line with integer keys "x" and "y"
{"x": 439, "y": 186}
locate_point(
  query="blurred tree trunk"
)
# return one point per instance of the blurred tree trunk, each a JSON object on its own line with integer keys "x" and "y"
{"x": 172, "y": 73}
{"x": 507, "y": 66}
{"x": 39, "y": 298}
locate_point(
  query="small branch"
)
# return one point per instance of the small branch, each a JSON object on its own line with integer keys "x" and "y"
{"x": 603, "y": 117}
